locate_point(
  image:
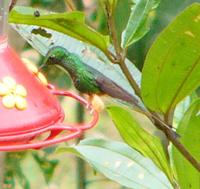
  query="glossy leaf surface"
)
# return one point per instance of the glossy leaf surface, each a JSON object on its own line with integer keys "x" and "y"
{"x": 120, "y": 163}
{"x": 72, "y": 24}
{"x": 139, "y": 21}
{"x": 172, "y": 67}
{"x": 90, "y": 55}
{"x": 138, "y": 132}
{"x": 189, "y": 131}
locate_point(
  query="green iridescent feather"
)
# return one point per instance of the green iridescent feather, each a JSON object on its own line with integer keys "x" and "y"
{"x": 86, "y": 79}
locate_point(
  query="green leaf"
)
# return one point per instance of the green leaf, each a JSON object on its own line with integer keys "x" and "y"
{"x": 9, "y": 180}
{"x": 90, "y": 55}
{"x": 139, "y": 21}
{"x": 131, "y": 127}
{"x": 180, "y": 110}
{"x": 111, "y": 4}
{"x": 189, "y": 131}
{"x": 47, "y": 166}
{"x": 14, "y": 170}
{"x": 120, "y": 163}
{"x": 21, "y": 177}
{"x": 171, "y": 70}
{"x": 72, "y": 24}
{"x": 121, "y": 15}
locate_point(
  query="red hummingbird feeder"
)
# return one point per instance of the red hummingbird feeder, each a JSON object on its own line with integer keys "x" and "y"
{"x": 28, "y": 108}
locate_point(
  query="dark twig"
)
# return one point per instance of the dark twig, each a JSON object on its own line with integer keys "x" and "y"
{"x": 120, "y": 55}
{"x": 13, "y": 3}
{"x": 80, "y": 170}
{"x": 2, "y": 167}
{"x": 81, "y": 173}
{"x": 175, "y": 141}
{"x": 70, "y": 5}
{"x": 160, "y": 124}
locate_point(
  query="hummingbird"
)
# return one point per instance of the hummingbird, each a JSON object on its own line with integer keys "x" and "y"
{"x": 86, "y": 79}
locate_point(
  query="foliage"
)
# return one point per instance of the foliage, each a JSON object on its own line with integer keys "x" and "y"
{"x": 130, "y": 125}
{"x": 170, "y": 73}
{"x": 180, "y": 60}
{"x": 120, "y": 163}
{"x": 189, "y": 131}
{"x": 71, "y": 24}
{"x": 139, "y": 21}
{"x": 14, "y": 171}
{"x": 89, "y": 54}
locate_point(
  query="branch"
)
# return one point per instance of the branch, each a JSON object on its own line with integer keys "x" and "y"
{"x": 171, "y": 135}
{"x": 70, "y": 5}
{"x": 2, "y": 167}
{"x": 13, "y": 3}
{"x": 111, "y": 27}
{"x": 160, "y": 124}
{"x": 120, "y": 56}
{"x": 80, "y": 164}
{"x": 128, "y": 75}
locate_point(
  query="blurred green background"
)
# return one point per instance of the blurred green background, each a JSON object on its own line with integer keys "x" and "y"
{"x": 45, "y": 169}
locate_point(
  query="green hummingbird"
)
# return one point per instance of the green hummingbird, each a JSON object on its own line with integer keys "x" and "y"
{"x": 86, "y": 79}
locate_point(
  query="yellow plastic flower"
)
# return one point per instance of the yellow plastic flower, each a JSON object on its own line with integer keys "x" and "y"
{"x": 32, "y": 68}
{"x": 13, "y": 94}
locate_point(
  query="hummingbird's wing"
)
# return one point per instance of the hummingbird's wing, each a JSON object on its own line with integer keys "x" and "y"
{"x": 112, "y": 89}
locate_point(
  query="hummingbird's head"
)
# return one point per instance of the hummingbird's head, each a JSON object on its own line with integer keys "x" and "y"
{"x": 55, "y": 55}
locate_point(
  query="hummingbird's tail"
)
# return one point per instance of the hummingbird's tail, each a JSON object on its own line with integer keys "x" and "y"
{"x": 125, "y": 96}
{"x": 115, "y": 91}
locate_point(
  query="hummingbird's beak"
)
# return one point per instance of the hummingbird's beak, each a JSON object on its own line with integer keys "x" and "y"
{"x": 42, "y": 66}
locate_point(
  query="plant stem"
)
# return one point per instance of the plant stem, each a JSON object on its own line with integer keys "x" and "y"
{"x": 130, "y": 79}
{"x": 81, "y": 177}
{"x": 80, "y": 170}
{"x": 70, "y": 5}
{"x": 120, "y": 56}
{"x": 160, "y": 124}
{"x": 170, "y": 134}
{"x": 168, "y": 117}
{"x": 113, "y": 33}
{"x": 175, "y": 141}
{"x": 13, "y": 3}
{"x": 2, "y": 167}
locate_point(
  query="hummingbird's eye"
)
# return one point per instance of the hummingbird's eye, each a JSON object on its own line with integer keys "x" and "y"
{"x": 52, "y": 58}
